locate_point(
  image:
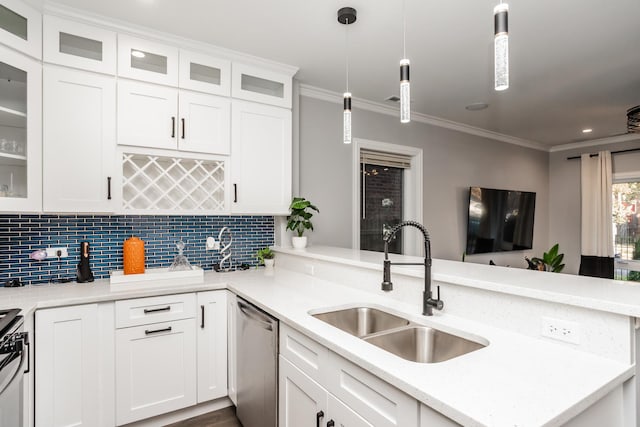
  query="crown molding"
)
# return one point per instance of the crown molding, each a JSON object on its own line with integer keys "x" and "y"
{"x": 627, "y": 137}
{"x": 120, "y": 26}
{"x": 377, "y": 107}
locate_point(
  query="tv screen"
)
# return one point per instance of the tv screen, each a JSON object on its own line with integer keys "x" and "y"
{"x": 500, "y": 220}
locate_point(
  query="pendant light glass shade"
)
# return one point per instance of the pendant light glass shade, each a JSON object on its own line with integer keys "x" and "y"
{"x": 346, "y": 121}
{"x": 501, "y": 46}
{"x": 405, "y": 92}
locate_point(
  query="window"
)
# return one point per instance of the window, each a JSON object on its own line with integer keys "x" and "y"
{"x": 388, "y": 190}
{"x": 626, "y": 229}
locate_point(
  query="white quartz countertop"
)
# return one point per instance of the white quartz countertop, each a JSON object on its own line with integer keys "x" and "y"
{"x": 612, "y": 296}
{"x": 514, "y": 381}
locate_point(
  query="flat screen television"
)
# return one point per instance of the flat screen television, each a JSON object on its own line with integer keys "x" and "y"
{"x": 500, "y": 220}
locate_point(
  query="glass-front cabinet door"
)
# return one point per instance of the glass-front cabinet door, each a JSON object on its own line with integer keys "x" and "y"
{"x": 20, "y": 133}
{"x": 21, "y": 27}
{"x": 204, "y": 73}
{"x": 78, "y": 45}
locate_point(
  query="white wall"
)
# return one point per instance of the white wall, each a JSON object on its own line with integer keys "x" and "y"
{"x": 453, "y": 161}
{"x": 564, "y": 196}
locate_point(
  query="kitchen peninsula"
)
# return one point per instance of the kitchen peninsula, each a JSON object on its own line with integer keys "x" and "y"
{"x": 520, "y": 378}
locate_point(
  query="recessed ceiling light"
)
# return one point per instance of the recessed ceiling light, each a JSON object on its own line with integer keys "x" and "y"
{"x": 477, "y": 106}
{"x": 137, "y": 54}
{"x": 588, "y": 130}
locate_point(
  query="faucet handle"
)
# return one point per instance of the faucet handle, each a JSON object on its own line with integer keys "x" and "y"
{"x": 438, "y": 303}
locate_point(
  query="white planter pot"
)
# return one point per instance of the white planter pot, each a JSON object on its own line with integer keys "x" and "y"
{"x": 269, "y": 263}
{"x": 299, "y": 242}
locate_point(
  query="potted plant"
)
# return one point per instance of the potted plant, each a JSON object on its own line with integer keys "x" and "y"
{"x": 550, "y": 261}
{"x": 266, "y": 257}
{"x": 299, "y": 220}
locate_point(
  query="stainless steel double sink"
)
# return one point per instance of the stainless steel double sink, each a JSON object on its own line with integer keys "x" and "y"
{"x": 397, "y": 335}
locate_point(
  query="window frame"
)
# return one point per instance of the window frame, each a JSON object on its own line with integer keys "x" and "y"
{"x": 621, "y": 178}
{"x": 413, "y": 183}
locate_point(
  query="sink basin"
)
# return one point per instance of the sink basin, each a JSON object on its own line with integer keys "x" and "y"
{"x": 423, "y": 344}
{"x": 361, "y": 321}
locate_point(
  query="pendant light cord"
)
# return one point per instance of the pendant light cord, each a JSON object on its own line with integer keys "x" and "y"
{"x": 404, "y": 30}
{"x": 346, "y": 52}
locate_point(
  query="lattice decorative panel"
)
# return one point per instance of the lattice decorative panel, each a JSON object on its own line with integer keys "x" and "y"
{"x": 171, "y": 183}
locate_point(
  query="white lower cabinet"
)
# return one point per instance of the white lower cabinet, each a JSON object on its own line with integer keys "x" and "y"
{"x": 303, "y": 402}
{"x": 74, "y": 366}
{"x": 232, "y": 347}
{"x": 212, "y": 345}
{"x": 155, "y": 369}
{"x": 353, "y": 397}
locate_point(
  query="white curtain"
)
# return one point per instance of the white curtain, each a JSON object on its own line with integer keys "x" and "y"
{"x": 597, "y": 227}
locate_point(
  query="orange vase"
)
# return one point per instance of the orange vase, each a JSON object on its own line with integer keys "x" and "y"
{"x": 133, "y": 255}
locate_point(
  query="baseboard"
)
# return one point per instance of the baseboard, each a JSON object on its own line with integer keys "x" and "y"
{"x": 183, "y": 414}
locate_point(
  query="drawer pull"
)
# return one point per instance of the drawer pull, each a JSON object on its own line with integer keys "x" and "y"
{"x": 319, "y": 416}
{"x": 156, "y": 310}
{"x": 202, "y": 312}
{"x": 157, "y": 331}
{"x": 331, "y": 423}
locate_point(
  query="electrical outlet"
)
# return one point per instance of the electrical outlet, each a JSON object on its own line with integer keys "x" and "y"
{"x": 561, "y": 330}
{"x": 53, "y": 253}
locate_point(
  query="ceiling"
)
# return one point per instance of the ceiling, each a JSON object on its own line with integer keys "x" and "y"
{"x": 574, "y": 64}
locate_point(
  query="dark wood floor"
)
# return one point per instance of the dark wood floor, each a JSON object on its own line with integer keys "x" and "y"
{"x": 223, "y": 418}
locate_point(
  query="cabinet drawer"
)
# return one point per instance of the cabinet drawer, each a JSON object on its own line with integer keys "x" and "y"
{"x": 375, "y": 400}
{"x": 304, "y": 353}
{"x": 144, "y": 311}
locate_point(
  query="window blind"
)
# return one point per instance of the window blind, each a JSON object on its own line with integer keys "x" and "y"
{"x": 370, "y": 157}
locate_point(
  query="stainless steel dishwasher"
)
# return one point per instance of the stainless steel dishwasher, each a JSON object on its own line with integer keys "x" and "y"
{"x": 257, "y": 366}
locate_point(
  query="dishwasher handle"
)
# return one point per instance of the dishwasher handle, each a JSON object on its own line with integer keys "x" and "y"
{"x": 254, "y": 315}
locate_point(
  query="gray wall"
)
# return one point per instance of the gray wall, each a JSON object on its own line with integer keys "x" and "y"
{"x": 564, "y": 196}
{"x": 453, "y": 161}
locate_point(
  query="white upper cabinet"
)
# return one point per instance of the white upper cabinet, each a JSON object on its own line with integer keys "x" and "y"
{"x": 79, "y": 141}
{"x": 205, "y": 122}
{"x": 141, "y": 59}
{"x": 147, "y": 115}
{"x": 21, "y": 27}
{"x": 260, "y": 158}
{"x": 204, "y": 73}
{"x": 20, "y": 132}
{"x": 260, "y": 85}
{"x": 162, "y": 117}
{"x": 78, "y": 45}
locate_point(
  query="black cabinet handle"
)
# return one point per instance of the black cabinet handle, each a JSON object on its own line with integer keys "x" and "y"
{"x": 202, "y": 313}
{"x": 157, "y": 331}
{"x": 28, "y": 350}
{"x": 155, "y": 310}
{"x": 235, "y": 193}
{"x": 331, "y": 423}
{"x": 183, "y": 126}
{"x": 319, "y": 416}
{"x": 108, "y": 188}
{"x": 173, "y": 127}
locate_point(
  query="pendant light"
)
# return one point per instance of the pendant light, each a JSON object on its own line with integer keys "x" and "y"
{"x": 405, "y": 90}
{"x": 346, "y": 16}
{"x": 501, "y": 46}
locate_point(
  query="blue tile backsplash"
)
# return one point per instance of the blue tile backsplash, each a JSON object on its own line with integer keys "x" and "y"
{"x": 22, "y": 234}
